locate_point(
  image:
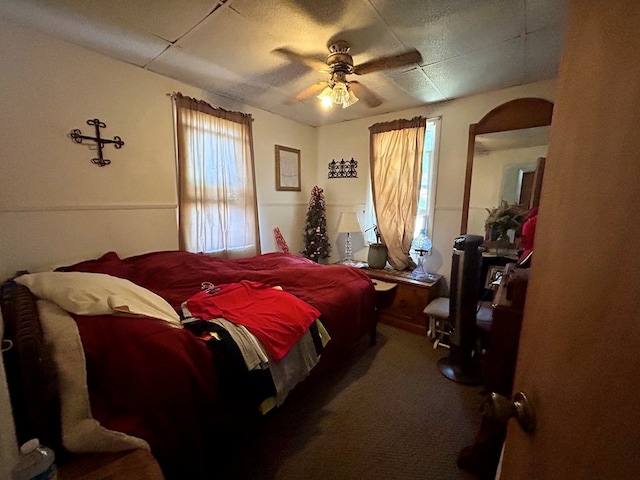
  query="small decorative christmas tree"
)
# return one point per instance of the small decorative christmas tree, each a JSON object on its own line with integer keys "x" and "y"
{"x": 316, "y": 240}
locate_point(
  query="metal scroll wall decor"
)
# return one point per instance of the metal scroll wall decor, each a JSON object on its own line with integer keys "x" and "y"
{"x": 76, "y": 136}
{"x": 343, "y": 169}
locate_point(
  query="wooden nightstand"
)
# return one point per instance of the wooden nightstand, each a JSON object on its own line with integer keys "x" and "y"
{"x": 385, "y": 293}
{"x": 406, "y": 310}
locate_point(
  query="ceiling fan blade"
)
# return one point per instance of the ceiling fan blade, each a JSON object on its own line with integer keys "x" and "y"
{"x": 386, "y": 63}
{"x": 366, "y": 95}
{"x": 310, "y": 91}
{"x": 309, "y": 61}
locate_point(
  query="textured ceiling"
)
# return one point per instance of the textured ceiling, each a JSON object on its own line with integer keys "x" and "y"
{"x": 521, "y": 138}
{"x": 227, "y": 47}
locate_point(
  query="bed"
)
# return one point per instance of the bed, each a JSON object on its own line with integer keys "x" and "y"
{"x": 154, "y": 383}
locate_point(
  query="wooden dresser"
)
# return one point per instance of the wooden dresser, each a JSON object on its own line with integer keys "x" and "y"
{"x": 498, "y": 369}
{"x": 412, "y": 294}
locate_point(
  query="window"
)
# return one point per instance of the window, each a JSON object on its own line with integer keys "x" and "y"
{"x": 397, "y": 151}
{"x": 217, "y": 204}
{"x": 426, "y": 197}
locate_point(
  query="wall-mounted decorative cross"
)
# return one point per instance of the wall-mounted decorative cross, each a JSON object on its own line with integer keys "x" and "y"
{"x": 76, "y": 136}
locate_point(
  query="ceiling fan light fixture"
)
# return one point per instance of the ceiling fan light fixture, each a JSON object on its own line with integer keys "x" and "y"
{"x": 339, "y": 93}
{"x": 326, "y": 98}
{"x": 338, "y": 90}
{"x": 352, "y": 99}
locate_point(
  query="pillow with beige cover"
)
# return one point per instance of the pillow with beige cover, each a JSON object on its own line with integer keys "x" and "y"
{"x": 98, "y": 294}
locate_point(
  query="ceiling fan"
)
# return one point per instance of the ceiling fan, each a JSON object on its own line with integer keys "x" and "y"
{"x": 339, "y": 63}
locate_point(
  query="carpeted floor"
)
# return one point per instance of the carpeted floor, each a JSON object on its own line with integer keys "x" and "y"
{"x": 387, "y": 414}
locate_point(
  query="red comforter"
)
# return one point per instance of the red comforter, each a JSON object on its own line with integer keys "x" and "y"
{"x": 160, "y": 383}
{"x": 344, "y": 295}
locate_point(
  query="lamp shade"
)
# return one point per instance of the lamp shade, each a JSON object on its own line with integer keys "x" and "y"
{"x": 338, "y": 92}
{"x": 349, "y": 223}
{"x": 422, "y": 242}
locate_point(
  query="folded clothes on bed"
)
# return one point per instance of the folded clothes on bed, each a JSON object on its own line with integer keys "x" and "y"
{"x": 277, "y": 318}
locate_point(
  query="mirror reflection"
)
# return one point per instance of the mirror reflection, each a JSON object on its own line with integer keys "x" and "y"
{"x": 504, "y": 165}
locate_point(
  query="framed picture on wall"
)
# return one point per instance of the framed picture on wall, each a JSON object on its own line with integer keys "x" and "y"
{"x": 287, "y": 169}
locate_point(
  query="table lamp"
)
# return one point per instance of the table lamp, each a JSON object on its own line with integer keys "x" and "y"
{"x": 421, "y": 244}
{"x": 348, "y": 224}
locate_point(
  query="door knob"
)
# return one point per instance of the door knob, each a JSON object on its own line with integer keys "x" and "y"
{"x": 501, "y": 409}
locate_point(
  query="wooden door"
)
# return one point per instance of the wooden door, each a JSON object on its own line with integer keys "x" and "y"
{"x": 526, "y": 188}
{"x": 579, "y": 358}
{"x": 536, "y": 187}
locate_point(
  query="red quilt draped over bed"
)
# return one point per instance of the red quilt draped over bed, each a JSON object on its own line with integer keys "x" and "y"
{"x": 158, "y": 382}
{"x": 344, "y": 295}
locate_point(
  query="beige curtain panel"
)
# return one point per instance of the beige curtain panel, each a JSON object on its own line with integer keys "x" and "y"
{"x": 396, "y": 172}
{"x": 216, "y": 182}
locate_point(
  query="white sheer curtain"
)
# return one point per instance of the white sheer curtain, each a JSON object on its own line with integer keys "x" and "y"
{"x": 369, "y": 216}
{"x": 216, "y": 183}
{"x": 396, "y": 173}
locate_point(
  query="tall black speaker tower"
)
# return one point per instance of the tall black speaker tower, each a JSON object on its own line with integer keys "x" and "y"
{"x": 460, "y": 365}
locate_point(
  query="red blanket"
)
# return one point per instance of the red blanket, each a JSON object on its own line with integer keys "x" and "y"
{"x": 344, "y": 295}
{"x": 277, "y": 318}
{"x": 153, "y": 381}
{"x": 160, "y": 383}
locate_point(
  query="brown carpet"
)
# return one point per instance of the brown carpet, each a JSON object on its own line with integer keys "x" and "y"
{"x": 387, "y": 413}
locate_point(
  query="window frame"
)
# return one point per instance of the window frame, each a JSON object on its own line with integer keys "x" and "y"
{"x": 432, "y": 181}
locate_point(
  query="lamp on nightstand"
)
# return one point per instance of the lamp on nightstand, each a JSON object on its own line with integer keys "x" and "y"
{"x": 421, "y": 244}
{"x": 348, "y": 224}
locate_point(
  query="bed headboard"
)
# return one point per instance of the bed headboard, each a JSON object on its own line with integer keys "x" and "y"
{"x": 31, "y": 373}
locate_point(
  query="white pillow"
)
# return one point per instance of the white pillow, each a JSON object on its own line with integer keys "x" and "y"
{"x": 98, "y": 294}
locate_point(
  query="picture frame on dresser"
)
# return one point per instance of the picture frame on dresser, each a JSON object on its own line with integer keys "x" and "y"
{"x": 493, "y": 275}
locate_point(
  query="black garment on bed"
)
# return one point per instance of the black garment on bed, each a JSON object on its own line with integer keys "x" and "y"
{"x": 238, "y": 385}
{"x": 315, "y": 335}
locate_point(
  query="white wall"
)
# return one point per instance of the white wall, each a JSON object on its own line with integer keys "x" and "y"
{"x": 285, "y": 210}
{"x": 351, "y": 139}
{"x": 57, "y": 207}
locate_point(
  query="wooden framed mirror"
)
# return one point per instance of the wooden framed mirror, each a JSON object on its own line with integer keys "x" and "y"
{"x": 506, "y": 150}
